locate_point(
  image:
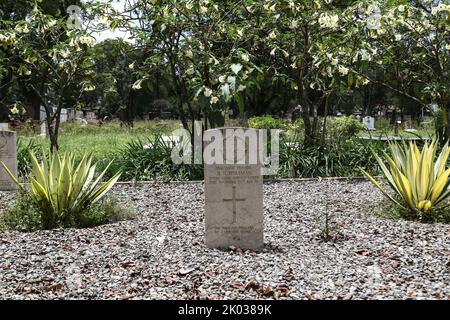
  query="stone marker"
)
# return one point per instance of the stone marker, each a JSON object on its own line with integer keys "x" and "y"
{"x": 44, "y": 131}
{"x": 408, "y": 122}
{"x": 4, "y": 126}
{"x": 370, "y": 123}
{"x": 233, "y": 195}
{"x": 8, "y": 154}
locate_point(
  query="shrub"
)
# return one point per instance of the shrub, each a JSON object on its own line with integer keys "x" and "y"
{"x": 344, "y": 128}
{"x": 419, "y": 181}
{"x": 266, "y": 122}
{"x": 383, "y": 124}
{"x": 338, "y": 159}
{"x": 388, "y": 209}
{"x": 151, "y": 160}
{"x": 23, "y": 156}
{"x": 25, "y": 214}
{"x": 62, "y": 192}
{"x": 296, "y": 126}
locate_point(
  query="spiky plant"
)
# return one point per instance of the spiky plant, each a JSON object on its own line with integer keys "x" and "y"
{"x": 61, "y": 189}
{"x": 419, "y": 179}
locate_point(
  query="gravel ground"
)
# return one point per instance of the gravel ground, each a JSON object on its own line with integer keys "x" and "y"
{"x": 161, "y": 254}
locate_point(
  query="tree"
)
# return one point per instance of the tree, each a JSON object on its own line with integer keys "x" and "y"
{"x": 405, "y": 46}
{"x": 51, "y": 62}
{"x": 197, "y": 43}
{"x": 298, "y": 41}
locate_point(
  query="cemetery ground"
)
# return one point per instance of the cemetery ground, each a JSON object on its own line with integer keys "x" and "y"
{"x": 161, "y": 254}
{"x": 323, "y": 239}
{"x": 102, "y": 141}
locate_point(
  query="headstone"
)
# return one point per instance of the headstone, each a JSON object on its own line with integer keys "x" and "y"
{"x": 64, "y": 115}
{"x": 42, "y": 114}
{"x": 8, "y": 155}
{"x": 44, "y": 132}
{"x": 4, "y": 126}
{"x": 408, "y": 123}
{"x": 233, "y": 192}
{"x": 369, "y": 122}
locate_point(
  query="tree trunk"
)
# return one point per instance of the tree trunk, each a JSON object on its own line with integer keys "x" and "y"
{"x": 446, "y": 134}
{"x": 324, "y": 126}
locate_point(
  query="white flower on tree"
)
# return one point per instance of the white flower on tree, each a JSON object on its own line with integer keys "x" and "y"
{"x": 328, "y": 20}
{"x": 343, "y": 70}
{"x": 207, "y": 92}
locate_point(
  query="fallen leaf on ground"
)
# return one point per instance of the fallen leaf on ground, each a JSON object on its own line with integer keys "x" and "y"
{"x": 281, "y": 292}
{"x": 309, "y": 296}
{"x": 364, "y": 253}
{"x": 237, "y": 285}
{"x": 412, "y": 293}
{"x": 55, "y": 287}
{"x": 170, "y": 280}
{"x": 109, "y": 293}
{"x": 253, "y": 285}
{"x": 128, "y": 264}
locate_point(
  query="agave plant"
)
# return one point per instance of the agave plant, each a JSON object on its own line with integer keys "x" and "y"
{"x": 419, "y": 181}
{"x": 61, "y": 189}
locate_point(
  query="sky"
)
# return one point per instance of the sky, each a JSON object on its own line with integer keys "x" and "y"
{"x": 109, "y": 34}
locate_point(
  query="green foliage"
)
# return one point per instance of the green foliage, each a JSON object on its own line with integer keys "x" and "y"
{"x": 61, "y": 190}
{"x": 383, "y": 124}
{"x": 333, "y": 160}
{"x": 25, "y": 214}
{"x": 388, "y": 209}
{"x": 420, "y": 181}
{"x": 296, "y": 126}
{"x": 23, "y": 155}
{"x": 107, "y": 210}
{"x": 151, "y": 160}
{"x": 266, "y": 122}
{"x": 102, "y": 142}
{"x": 344, "y": 128}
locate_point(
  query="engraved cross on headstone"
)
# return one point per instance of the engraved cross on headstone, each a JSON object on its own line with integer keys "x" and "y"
{"x": 234, "y": 200}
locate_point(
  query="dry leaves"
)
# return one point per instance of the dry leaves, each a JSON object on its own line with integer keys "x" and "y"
{"x": 264, "y": 291}
{"x": 364, "y": 253}
{"x": 55, "y": 287}
{"x": 170, "y": 280}
{"x": 236, "y": 250}
{"x": 237, "y": 285}
{"x": 128, "y": 264}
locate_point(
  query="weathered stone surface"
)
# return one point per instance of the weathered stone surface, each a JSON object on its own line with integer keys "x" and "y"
{"x": 234, "y": 204}
{"x": 8, "y": 154}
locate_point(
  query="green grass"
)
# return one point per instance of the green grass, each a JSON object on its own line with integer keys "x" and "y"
{"x": 383, "y": 129}
{"x": 103, "y": 142}
{"x": 111, "y": 141}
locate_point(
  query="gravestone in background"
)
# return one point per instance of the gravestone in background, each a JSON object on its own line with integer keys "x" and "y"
{"x": 4, "y": 126}
{"x": 408, "y": 122}
{"x": 369, "y": 122}
{"x": 44, "y": 131}
{"x": 233, "y": 198}
{"x": 8, "y": 154}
